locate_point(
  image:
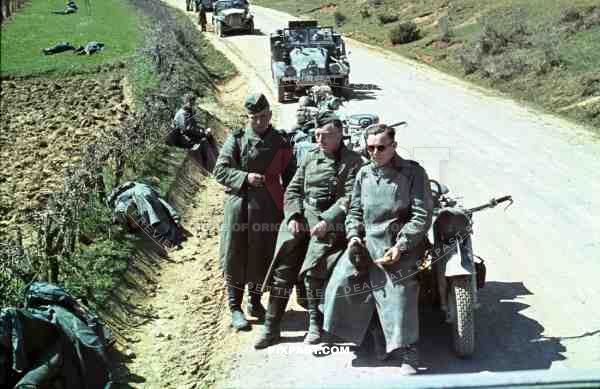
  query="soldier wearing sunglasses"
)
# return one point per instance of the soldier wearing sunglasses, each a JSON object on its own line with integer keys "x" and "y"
{"x": 390, "y": 214}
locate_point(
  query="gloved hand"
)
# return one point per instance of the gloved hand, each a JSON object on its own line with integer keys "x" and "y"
{"x": 359, "y": 257}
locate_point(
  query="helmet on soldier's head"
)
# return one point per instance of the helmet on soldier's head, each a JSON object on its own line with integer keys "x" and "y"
{"x": 189, "y": 98}
{"x": 324, "y": 90}
{"x": 304, "y": 101}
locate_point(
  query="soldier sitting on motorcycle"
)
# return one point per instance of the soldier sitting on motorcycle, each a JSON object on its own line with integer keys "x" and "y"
{"x": 389, "y": 215}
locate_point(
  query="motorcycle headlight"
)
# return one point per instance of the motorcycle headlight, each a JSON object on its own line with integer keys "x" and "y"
{"x": 289, "y": 71}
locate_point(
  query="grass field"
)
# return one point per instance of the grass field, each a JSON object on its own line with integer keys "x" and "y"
{"x": 549, "y": 52}
{"x": 112, "y": 22}
{"x": 55, "y": 101}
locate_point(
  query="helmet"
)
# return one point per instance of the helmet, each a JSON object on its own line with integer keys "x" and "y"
{"x": 324, "y": 90}
{"x": 304, "y": 101}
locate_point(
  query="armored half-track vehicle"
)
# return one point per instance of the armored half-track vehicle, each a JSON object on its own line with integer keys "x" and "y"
{"x": 232, "y": 15}
{"x": 304, "y": 55}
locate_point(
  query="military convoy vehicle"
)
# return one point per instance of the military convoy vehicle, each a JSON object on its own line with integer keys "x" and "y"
{"x": 304, "y": 55}
{"x": 232, "y": 15}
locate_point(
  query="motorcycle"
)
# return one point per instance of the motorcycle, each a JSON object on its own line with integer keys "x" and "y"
{"x": 451, "y": 274}
{"x": 354, "y": 131}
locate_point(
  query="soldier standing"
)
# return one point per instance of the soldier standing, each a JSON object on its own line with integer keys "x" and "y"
{"x": 201, "y": 14}
{"x": 390, "y": 215}
{"x": 255, "y": 165}
{"x": 312, "y": 235}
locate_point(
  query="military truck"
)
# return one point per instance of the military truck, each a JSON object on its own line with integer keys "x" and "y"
{"x": 304, "y": 55}
{"x": 232, "y": 15}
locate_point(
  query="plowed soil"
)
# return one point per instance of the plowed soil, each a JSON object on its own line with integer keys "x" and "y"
{"x": 45, "y": 125}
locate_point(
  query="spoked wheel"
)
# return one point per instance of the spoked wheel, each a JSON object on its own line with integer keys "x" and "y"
{"x": 461, "y": 304}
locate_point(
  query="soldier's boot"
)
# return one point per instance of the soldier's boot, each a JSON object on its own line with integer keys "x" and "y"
{"x": 378, "y": 338}
{"x": 271, "y": 331}
{"x": 238, "y": 320}
{"x": 254, "y": 306}
{"x": 314, "y": 289}
{"x": 301, "y": 294}
{"x": 410, "y": 360}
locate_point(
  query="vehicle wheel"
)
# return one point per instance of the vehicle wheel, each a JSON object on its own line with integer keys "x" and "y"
{"x": 461, "y": 302}
{"x": 280, "y": 93}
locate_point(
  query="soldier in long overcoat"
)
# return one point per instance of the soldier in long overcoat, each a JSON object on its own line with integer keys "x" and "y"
{"x": 255, "y": 165}
{"x": 390, "y": 214}
{"x": 313, "y": 235}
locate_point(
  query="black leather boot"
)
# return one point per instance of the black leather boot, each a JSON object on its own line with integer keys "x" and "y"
{"x": 410, "y": 360}
{"x": 235, "y": 294}
{"x": 301, "y": 294}
{"x": 271, "y": 331}
{"x": 254, "y": 306}
{"x": 314, "y": 291}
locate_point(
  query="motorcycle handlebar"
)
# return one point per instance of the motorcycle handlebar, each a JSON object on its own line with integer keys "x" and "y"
{"x": 492, "y": 203}
{"x": 503, "y": 199}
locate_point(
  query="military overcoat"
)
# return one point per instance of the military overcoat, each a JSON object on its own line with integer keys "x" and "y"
{"x": 252, "y": 215}
{"x": 391, "y": 205}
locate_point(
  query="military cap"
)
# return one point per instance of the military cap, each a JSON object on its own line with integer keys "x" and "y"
{"x": 326, "y": 117}
{"x": 256, "y": 102}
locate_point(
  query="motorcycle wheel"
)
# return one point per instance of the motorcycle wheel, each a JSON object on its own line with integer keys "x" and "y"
{"x": 461, "y": 302}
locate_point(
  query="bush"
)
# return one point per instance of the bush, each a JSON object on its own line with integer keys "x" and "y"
{"x": 339, "y": 18}
{"x": 375, "y": 3}
{"x": 404, "y": 33}
{"x": 364, "y": 13}
{"x": 502, "y": 67}
{"x": 386, "y": 19}
{"x": 570, "y": 15}
{"x": 445, "y": 30}
{"x": 469, "y": 61}
{"x": 519, "y": 22}
{"x": 549, "y": 43}
{"x": 490, "y": 41}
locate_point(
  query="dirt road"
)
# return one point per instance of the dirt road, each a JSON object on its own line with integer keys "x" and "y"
{"x": 539, "y": 309}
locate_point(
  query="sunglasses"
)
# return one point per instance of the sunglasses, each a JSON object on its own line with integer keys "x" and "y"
{"x": 380, "y": 148}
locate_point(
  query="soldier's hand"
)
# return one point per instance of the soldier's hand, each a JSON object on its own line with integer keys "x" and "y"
{"x": 390, "y": 257}
{"x": 256, "y": 180}
{"x": 319, "y": 230}
{"x": 295, "y": 227}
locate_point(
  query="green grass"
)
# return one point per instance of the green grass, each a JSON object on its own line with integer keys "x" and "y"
{"x": 112, "y": 22}
{"x": 579, "y": 52}
{"x": 97, "y": 266}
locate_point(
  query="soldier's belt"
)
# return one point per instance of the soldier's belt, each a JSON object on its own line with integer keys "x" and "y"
{"x": 321, "y": 204}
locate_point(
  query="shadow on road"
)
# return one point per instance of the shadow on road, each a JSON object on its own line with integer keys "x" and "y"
{"x": 295, "y": 321}
{"x": 364, "y": 91}
{"x": 506, "y": 339}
